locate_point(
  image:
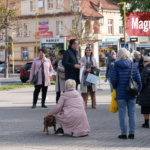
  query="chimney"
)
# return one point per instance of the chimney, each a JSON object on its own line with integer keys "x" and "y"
{"x": 99, "y": 3}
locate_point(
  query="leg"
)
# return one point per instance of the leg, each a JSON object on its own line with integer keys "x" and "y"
{"x": 58, "y": 123}
{"x": 85, "y": 97}
{"x": 122, "y": 115}
{"x": 55, "y": 127}
{"x": 36, "y": 93}
{"x": 111, "y": 87}
{"x": 44, "y": 93}
{"x": 57, "y": 96}
{"x": 93, "y": 97}
{"x": 146, "y": 116}
{"x": 131, "y": 104}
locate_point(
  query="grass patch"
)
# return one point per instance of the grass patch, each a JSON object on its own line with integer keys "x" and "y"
{"x": 103, "y": 78}
{"x": 17, "y": 86}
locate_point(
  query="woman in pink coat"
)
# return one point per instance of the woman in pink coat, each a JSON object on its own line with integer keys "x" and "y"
{"x": 70, "y": 112}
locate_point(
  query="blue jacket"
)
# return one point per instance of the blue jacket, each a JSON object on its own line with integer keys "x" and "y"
{"x": 109, "y": 67}
{"x": 68, "y": 61}
{"x": 120, "y": 77}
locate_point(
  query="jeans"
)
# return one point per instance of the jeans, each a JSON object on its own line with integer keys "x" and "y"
{"x": 130, "y": 104}
{"x": 111, "y": 87}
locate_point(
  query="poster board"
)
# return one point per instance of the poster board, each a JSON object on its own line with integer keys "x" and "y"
{"x": 104, "y": 52}
{"x": 144, "y": 49}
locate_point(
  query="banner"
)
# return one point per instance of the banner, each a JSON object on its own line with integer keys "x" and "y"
{"x": 105, "y": 49}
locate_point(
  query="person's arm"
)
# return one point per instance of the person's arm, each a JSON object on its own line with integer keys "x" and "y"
{"x": 50, "y": 69}
{"x": 114, "y": 77}
{"x": 65, "y": 62}
{"x": 58, "y": 107}
{"x": 107, "y": 70}
{"x": 32, "y": 71}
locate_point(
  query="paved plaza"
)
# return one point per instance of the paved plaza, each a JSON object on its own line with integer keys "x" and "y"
{"x": 21, "y": 128}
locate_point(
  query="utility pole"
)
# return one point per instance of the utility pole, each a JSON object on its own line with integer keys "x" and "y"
{"x": 6, "y": 50}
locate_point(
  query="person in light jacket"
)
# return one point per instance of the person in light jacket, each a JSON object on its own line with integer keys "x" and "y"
{"x": 45, "y": 72}
{"x": 70, "y": 112}
{"x": 89, "y": 61}
{"x": 119, "y": 79}
{"x": 110, "y": 66}
{"x": 144, "y": 97}
{"x": 60, "y": 78}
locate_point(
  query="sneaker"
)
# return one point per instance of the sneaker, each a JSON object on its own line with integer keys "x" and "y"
{"x": 60, "y": 132}
{"x": 122, "y": 136}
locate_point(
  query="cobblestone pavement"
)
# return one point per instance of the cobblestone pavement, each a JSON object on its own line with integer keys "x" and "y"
{"x": 21, "y": 128}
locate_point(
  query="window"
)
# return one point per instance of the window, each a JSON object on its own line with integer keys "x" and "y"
{"x": 50, "y": 4}
{"x": 32, "y": 5}
{"x": 27, "y": 29}
{"x": 73, "y": 24}
{"x": 59, "y": 25}
{"x": 110, "y": 26}
{"x": 121, "y": 29}
{"x": 19, "y": 31}
{"x": 58, "y": 3}
{"x": 24, "y": 53}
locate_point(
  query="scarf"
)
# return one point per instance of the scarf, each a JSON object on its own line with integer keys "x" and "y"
{"x": 88, "y": 66}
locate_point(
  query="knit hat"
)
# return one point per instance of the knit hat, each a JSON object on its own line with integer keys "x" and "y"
{"x": 113, "y": 53}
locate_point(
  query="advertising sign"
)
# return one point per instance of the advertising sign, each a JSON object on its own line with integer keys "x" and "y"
{"x": 144, "y": 49}
{"x": 48, "y": 34}
{"x": 44, "y": 22}
{"x": 43, "y": 28}
{"x": 105, "y": 49}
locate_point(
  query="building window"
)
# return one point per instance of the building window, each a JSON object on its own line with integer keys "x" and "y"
{"x": 121, "y": 29}
{"x": 32, "y": 5}
{"x": 110, "y": 26}
{"x": 19, "y": 31}
{"x": 24, "y": 53}
{"x": 27, "y": 29}
{"x": 59, "y": 25}
{"x": 58, "y": 3}
{"x": 50, "y": 4}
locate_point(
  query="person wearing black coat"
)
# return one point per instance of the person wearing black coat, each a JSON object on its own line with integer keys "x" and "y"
{"x": 144, "y": 98}
{"x": 70, "y": 62}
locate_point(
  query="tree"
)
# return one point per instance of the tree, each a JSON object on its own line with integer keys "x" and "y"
{"x": 8, "y": 23}
{"x": 82, "y": 28}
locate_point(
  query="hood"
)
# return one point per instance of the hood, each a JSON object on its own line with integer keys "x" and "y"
{"x": 124, "y": 63}
{"x": 71, "y": 94}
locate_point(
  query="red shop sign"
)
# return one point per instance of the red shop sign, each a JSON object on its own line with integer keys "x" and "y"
{"x": 44, "y": 35}
{"x": 138, "y": 24}
{"x": 43, "y": 28}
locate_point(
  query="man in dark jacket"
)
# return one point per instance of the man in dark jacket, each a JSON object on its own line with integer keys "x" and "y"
{"x": 139, "y": 61}
{"x": 70, "y": 62}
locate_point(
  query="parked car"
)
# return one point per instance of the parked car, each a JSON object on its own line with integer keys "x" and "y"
{"x": 18, "y": 69}
{"x": 2, "y": 68}
{"x": 25, "y": 72}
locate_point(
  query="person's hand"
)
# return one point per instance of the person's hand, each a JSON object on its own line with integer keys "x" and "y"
{"x": 106, "y": 78}
{"x": 82, "y": 64}
{"x": 95, "y": 66}
{"x": 46, "y": 115}
{"x": 77, "y": 66}
{"x": 53, "y": 62}
{"x": 88, "y": 70}
{"x": 30, "y": 81}
{"x": 112, "y": 64}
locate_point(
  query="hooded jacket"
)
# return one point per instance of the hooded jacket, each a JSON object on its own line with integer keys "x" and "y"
{"x": 120, "y": 77}
{"x": 109, "y": 67}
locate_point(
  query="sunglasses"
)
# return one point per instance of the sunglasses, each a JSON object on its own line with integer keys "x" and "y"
{"x": 145, "y": 61}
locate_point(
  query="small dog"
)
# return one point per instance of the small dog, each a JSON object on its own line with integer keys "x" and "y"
{"x": 49, "y": 122}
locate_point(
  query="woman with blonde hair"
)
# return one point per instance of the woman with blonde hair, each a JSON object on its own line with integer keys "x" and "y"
{"x": 70, "y": 112}
{"x": 119, "y": 79}
{"x": 89, "y": 61}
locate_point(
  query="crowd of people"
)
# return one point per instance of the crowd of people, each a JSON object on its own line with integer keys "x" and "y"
{"x": 70, "y": 104}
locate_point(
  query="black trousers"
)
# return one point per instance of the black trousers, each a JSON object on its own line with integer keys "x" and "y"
{"x": 37, "y": 91}
{"x": 58, "y": 96}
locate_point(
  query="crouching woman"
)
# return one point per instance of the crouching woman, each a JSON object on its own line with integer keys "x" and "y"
{"x": 70, "y": 112}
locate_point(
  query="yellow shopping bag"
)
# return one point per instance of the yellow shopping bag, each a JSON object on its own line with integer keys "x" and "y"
{"x": 113, "y": 105}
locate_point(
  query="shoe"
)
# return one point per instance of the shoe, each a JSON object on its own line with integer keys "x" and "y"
{"x": 60, "y": 132}
{"x": 94, "y": 107}
{"x": 131, "y": 136}
{"x": 44, "y": 106}
{"x": 145, "y": 125}
{"x": 122, "y": 136}
{"x": 34, "y": 106}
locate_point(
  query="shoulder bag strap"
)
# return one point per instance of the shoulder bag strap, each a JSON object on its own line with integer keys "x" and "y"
{"x": 131, "y": 69}
{"x": 41, "y": 65}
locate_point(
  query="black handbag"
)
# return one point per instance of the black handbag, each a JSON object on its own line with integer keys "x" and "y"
{"x": 132, "y": 86}
{"x": 35, "y": 77}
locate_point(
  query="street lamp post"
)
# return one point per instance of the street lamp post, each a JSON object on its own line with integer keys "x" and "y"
{"x": 12, "y": 51}
{"x": 36, "y": 29}
{"x": 124, "y": 3}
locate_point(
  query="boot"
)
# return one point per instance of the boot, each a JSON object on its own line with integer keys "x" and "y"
{"x": 146, "y": 124}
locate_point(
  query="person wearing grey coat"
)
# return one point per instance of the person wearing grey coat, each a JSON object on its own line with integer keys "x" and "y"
{"x": 60, "y": 78}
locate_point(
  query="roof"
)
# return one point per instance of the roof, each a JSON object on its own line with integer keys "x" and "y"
{"x": 108, "y": 4}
